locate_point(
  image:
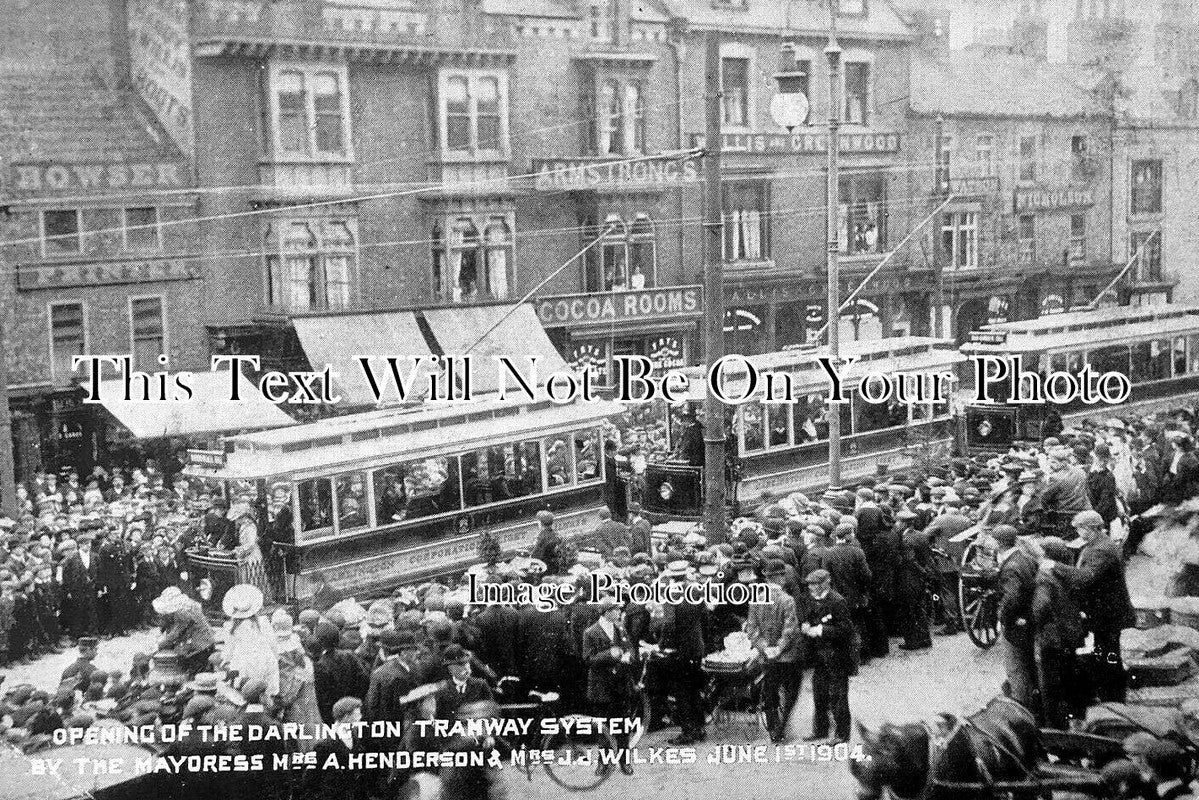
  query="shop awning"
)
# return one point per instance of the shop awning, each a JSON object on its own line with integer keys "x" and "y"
{"x": 518, "y": 336}
{"x": 209, "y": 411}
{"x": 338, "y": 340}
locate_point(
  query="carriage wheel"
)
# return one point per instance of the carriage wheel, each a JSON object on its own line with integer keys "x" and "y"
{"x": 578, "y": 764}
{"x": 978, "y": 600}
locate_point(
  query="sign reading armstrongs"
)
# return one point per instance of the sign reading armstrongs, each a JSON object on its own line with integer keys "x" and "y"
{"x": 584, "y": 174}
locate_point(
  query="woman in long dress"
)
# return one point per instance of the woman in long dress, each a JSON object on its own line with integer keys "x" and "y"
{"x": 249, "y": 648}
{"x": 297, "y": 678}
{"x": 251, "y": 568}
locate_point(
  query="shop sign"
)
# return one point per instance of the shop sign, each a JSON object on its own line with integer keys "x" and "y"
{"x": 56, "y": 276}
{"x": 1053, "y": 304}
{"x": 160, "y": 64}
{"x": 637, "y": 305}
{"x": 974, "y": 185}
{"x": 666, "y": 352}
{"x": 48, "y": 177}
{"x": 593, "y": 356}
{"x": 578, "y": 174}
{"x": 1052, "y": 199}
{"x": 784, "y": 143}
{"x": 211, "y": 459}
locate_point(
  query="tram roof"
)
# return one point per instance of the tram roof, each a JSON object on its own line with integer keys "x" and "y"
{"x": 887, "y": 356}
{"x": 377, "y": 438}
{"x": 1069, "y": 330}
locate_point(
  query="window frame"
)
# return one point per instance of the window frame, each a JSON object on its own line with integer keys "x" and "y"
{"x": 734, "y": 190}
{"x": 310, "y": 71}
{"x": 319, "y": 256}
{"x": 445, "y": 249}
{"x": 953, "y": 222}
{"x": 1147, "y": 259}
{"x": 46, "y": 252}
{"x": 87, "y": 344}
{"x": 473, "y": 78}
{"x": 157, "y": 229}
{"x": 986, "y": 167}
{"x": 1160, "y": 193}
{"x": 851, "y": 180}
{"x": 1078, "y": 239}
{"x": 1031, "y": 259}
{"x": 1031, "y": 163}
{"x": 746, "y": 53}
{"x": 860, "y": 59}
{"x": 162, "y": 316}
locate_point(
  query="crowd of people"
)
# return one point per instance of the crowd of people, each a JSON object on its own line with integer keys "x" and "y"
{"x": 852, "y": 571}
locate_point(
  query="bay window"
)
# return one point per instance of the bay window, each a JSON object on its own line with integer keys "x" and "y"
{"x": 626, "y": 256}
{"x": 474, "y": 112}
{"x": 310, "y": 116}
{"x": 1147, "y": 186}
{"x": 311, "y": 263}
{"x": 862, "y": 220}
{"x": 745, "y": 233}
{"x": 472, "y": 258}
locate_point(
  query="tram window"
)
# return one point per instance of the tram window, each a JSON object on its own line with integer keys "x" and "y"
{"x": 1109, "y": 359}
{"x": 1193, "y": 349}
{"x": 1180, "y": 355}
{"x": 351, "y": 501}
{"x": 779, "y": 423}
{"x": 753, "y": 423}
{"x": 874, "y": 416}
{"x": 1150, "y": 361}
{"x": 391, "y": 495}
{"x": 1074, "y": 363}
{"x": 1058, "y": 363}
{"x": 922, "y": 412}
{"x": 416, "y": 489}
{"x": 501, "y": 473}
{"x": 557, "y": 461}
{"x": 316, "y": 504}
{"x": 587, "y": 455}
{"x": 808, "y": 419}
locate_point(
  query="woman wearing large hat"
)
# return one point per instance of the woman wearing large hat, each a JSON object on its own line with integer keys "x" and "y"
{"x": 185, "y": 629}
{"x": 250, "y": 648}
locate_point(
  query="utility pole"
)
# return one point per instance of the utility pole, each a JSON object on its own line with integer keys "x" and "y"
{"x": 715, "y": 527}
{"x": 8, "y": 481}
{"x": 833, "y": 52}
{"x": 940, "y": 191}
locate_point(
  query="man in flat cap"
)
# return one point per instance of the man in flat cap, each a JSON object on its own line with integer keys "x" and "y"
{"x": 773, "y": 628}
{"x": 609, "y": 653}
{"x": 1099, "y": 582}
{"x": 1017, "y": 584}
{"x": 829, "y": 630}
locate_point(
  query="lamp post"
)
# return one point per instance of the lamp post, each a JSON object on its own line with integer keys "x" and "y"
{"x": 833, "y": 53}
{"x": 715, "y": 517}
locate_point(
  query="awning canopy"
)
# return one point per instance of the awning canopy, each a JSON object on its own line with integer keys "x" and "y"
{"x": 209, "y": 411}
{"x": 519, "y": 336}
{"x": 338, "y": 340}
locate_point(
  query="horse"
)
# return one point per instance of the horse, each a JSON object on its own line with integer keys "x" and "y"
{"x": 931, "y": 761}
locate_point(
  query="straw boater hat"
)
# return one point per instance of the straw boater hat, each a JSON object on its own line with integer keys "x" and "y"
{"x": 171, "y": 600}
{"x": 242, "y": 601}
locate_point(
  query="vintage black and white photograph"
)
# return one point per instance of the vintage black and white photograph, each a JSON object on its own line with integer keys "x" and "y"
{"x": 496, "y": 399}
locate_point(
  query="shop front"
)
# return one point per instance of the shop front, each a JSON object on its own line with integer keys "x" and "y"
{"x": 591, "y": 329}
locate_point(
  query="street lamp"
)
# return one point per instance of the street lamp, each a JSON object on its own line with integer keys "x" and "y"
{"x": 833, "y": 53}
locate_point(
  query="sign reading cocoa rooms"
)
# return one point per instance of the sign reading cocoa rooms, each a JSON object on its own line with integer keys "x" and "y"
{"x": 646, "y": 304}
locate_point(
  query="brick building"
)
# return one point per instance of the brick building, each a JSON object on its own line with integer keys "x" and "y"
{"x": 101, "y": 256}
{"x": 1027, "y": 149}
{"x": 774, "y": 179}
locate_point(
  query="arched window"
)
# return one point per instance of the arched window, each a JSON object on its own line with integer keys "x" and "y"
{"x": 614, "y": 255}
{"x": 298, "y": 245}
{"x": 643, "y": 253}
{"x": 498, "y": 239}
{"x": 339, "y": 250}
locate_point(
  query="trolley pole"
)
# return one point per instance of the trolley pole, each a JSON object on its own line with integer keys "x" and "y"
{"x": 833, "y": 52}
{"x": 715, "y": 525}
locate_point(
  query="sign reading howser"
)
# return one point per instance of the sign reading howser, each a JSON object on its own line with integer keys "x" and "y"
{"x": 646, "y": 304}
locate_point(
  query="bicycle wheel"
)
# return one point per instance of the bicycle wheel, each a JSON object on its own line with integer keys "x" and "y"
{"x": 641, "y": 711}
{"x": 579, "y": 764}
